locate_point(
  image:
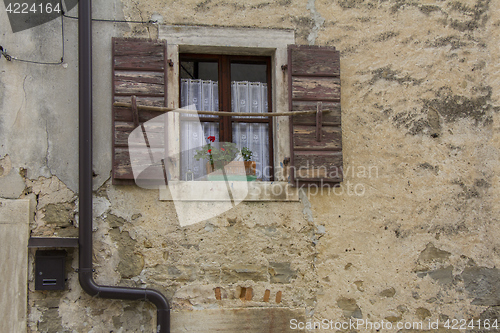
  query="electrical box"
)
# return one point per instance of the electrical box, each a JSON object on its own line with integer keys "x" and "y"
{"x": 50, "y": 272}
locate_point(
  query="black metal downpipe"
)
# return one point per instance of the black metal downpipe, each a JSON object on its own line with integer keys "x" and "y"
{"x": 85, "y": 183}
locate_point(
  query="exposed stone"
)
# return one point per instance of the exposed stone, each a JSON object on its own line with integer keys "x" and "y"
{"x": 51, "y": 321}
{"x": 67, "y": 232}
{"x": 393, "y": 319}
{"x": 136, "y": 216}
{"x": 492, "y": 313}
{"x": 135, "y": 314}
{"x": 349, "y": 307}
{"x": 115, "y": 221}
{"x": 482, "y": 284}
{"x": 422, "y": 313}
{"x": 241, "y": 272}
{"x": 49, "y": 302}
{"x": 402, "y": 308}
{"x": 388, "y": 292}
{"x": 182, "y": 273}
{"x": 60, "y": 215}
{"x": 131, "y": 263}
{"x": 442, "y": 275}
{"x": 433, "y": 119}
{"x": 359, "y": 285}
{"x": 281, "y": 272}
{"x": 50, "y": 190}
{"x": 431, "y": 253}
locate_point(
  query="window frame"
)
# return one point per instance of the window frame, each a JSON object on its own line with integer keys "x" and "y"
{"x": 244, "y": 42}
{"x": 224, "y": 62}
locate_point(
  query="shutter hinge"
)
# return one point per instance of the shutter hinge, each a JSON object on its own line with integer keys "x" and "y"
{"x": 284, "y": 67}
{"x": 170, "y": 62}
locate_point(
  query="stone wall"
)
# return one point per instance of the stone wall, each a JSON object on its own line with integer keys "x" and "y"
{"x": 411, "y": 234}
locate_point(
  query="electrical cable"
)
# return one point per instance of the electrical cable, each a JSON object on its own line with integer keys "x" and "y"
{"x": 107, "y": 20}
{"x": 8, "y": 57}
{"x": 114, "y": 21}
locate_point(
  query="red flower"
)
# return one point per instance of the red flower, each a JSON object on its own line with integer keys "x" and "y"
{"x": 209, "y": 151}
{"x": 211, "y": 138}
{"x": 222, "y": 149}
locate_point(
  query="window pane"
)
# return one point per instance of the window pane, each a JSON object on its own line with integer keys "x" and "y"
{"x": 249, "y": 94}
{"x": 249, "y": 72}
{"x": 255, "y": 136}
{"x": 248, "y": 97}
{"x": 199, "y": 91}
{"x": 204, "y": 70}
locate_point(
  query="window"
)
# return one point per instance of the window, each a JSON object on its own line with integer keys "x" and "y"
{"x": 228, "y": 83}
{"x": 212, "y": 68}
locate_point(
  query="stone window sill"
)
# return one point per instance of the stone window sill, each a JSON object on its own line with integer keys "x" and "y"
{"x": 236, "y": 191}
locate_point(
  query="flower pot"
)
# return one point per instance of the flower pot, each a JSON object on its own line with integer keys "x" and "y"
{"x": 218, "y": 167}
{"x": 234, "y": 168}
{"x": 250, "y": 167}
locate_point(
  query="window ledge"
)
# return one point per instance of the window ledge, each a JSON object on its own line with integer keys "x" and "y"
{"x": 221, "y": 190}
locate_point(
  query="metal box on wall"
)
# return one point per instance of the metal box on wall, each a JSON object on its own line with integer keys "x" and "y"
{"x": 50, "y": 272}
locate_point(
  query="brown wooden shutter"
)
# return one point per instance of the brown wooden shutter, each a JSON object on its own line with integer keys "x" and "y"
{"x": 139, "y": 69}
{"x": 316, "y": 139}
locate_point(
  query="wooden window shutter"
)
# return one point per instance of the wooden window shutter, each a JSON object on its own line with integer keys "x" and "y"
{"x": 139, "y": 69}
{"x": 316, "y": 139}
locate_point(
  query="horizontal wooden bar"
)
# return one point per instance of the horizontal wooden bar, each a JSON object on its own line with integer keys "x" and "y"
{"x": 316, "y": 149}
{"x": 316, "y": 75}
{"x": 315, "y": 99}
{"x": 139, "y": 69}
{"x": 219, "y": 113}
{"x": 138, "y": 95}
{"x": 324, "y": 123}
{"x": 49, "y": 242}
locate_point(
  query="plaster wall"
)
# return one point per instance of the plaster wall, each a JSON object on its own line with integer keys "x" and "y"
{"x": 407, "y": 236}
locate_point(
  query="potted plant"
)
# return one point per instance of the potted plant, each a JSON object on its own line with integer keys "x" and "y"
{"x": 223, "y": 157}
{"x": 217, "y": 157}
{"x": 250, "y": 165}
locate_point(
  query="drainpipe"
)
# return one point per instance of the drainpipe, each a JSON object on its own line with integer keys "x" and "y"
{"x": 85, "y": 184}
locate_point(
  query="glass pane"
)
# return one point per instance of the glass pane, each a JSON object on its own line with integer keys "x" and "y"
{"x": 204, "y": 70}
{"x": 255, "y": 136}
{"x": 199, "y": 91}
{"x": 249, "y": 72}
{"x": 249, "y": 94}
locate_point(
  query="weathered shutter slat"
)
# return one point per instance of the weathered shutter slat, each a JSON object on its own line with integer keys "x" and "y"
{"x": 315, "y": 88}
{"x": 316, "y": 140}
{"x": 314, "y": 61}
{"x": 123, "y": 130}
{"x": 141, "y": 83}
{"x": 139, "y": 69}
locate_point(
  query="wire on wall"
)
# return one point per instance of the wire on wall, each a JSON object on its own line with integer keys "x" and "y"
{"x": 12, "y": 58}
{"x": 9, "y": 57}
{"x": 113, "y": 21}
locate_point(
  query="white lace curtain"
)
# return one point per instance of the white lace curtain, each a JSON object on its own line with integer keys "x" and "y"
{"x": 203, "y": 96}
